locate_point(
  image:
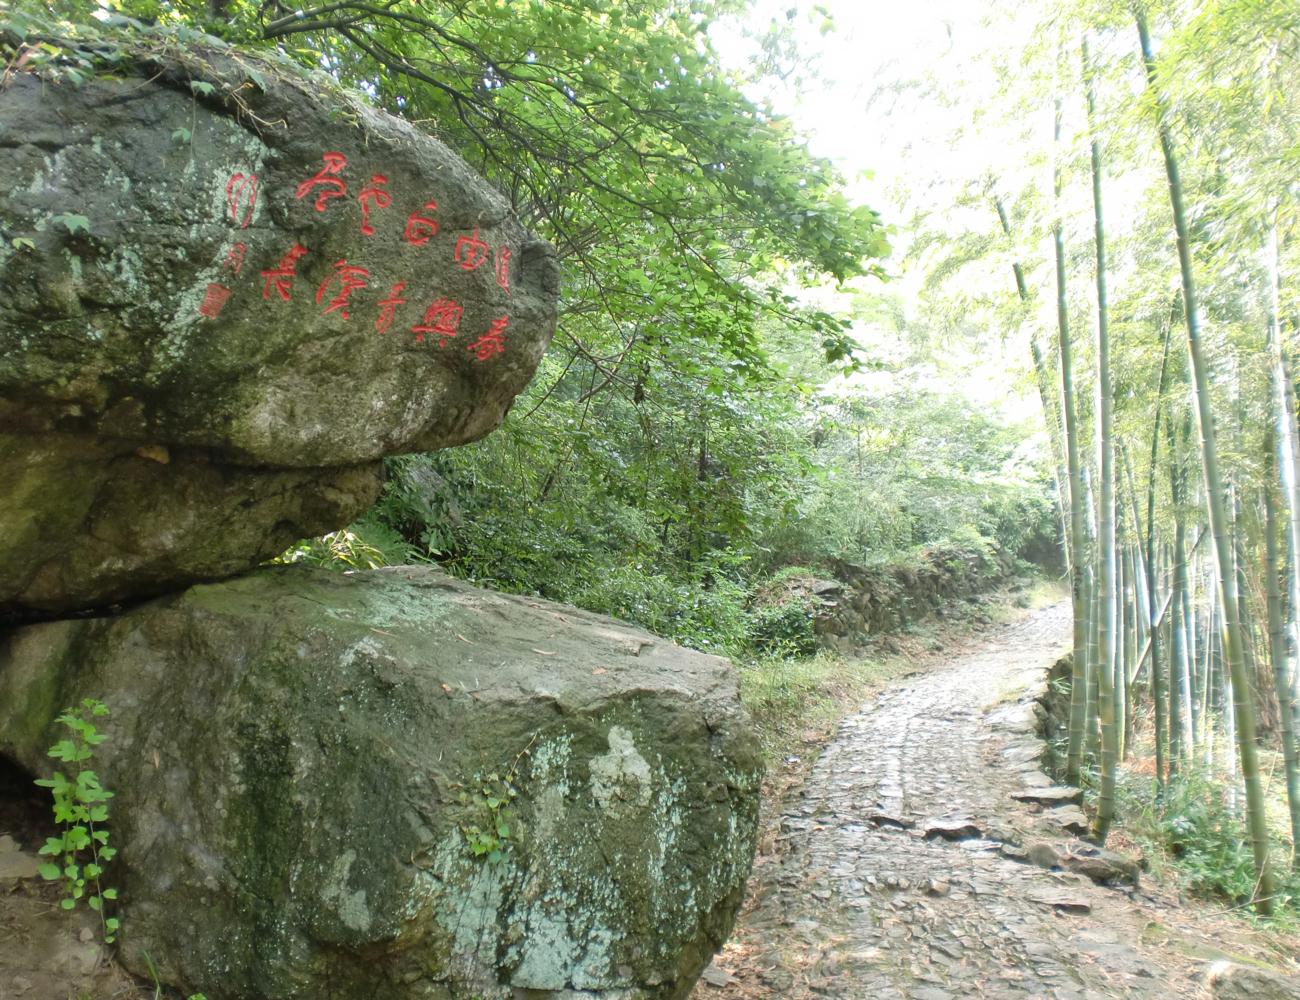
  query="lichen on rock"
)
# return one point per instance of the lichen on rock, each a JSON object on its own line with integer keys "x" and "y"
{"x": 257, "y": 293}
{"x": 299, "y": 754}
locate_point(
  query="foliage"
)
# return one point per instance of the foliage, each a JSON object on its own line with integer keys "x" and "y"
{"x": 674, "y": 517}
{"x": 781, "y": 621}
{"x": 367, "y": 544}
{"x": 680, "y": 208}
{"x": 1194, "y": 830}
{"x": 81, "y": 810}
{"x": 490, "y": 795}
{"x": 489, "y": 838}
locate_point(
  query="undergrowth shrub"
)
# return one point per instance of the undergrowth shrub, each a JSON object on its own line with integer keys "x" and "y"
{"x": 1196, "y": 833}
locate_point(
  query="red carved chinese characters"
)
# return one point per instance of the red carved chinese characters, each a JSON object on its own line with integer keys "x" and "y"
{"x": 241, "y": 198}
{"x": 493, "y": 342}
{"x": 374, "y": 192}
{"x": 470, "y": 251}
{"x": 214, "y": 300}
{"x": 327, "y": 179}
{"x": 234, "y": 261}
{"x": 388, "y": 307}
{"x": 350, "y": 278}
{"x": 503, "y": 266}
{"x": 281, "y": 276}
{"x": 420, "y": 228}
{"x": 441, "y": 318}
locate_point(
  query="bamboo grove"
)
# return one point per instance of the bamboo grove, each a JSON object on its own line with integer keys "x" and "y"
{"x": 1139, "y": 228}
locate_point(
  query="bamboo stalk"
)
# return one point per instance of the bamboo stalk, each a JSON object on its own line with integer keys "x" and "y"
{"x": 1244, "y": 717}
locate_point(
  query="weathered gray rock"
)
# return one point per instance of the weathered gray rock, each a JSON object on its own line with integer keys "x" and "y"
{"x": 1042, "y": 854}
{"x": 951, "y": 829}
{"x": 1229, "y": 981}
{"x": 301, "y": 759}
{"x": 87, "y": 522}
{"x": 1071, "y": 819}
{"x": 221, "y": 277}
{"x": 1053, "y": 795}
{"x": 1102, "y": 866}
{"x": 1062, "y": 902}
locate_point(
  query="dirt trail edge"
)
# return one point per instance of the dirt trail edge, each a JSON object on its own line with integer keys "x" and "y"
{"x": 901, "y": 867}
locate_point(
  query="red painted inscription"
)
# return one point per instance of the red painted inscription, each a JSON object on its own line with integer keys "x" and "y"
{"x": 419, "y": 228}
{"x": 388, "y": 307}
{"x": 241, "y": 198}
{"x": 234, "y": 261}
{"x": 373, "y": 193}
{"x": 470, "y": 251}
{"x": 441, "y": 318}
{"x": 503, "y": 266}
{"x": 350, "y": 278}
{"x": 327, "y": 179}
{"x": 493, "y": 342}
{"x": 214, "y": 300}
{"x": 281, "y": 276}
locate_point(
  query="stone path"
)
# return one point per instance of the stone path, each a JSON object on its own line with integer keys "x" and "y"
{"x": 866, "y": 897}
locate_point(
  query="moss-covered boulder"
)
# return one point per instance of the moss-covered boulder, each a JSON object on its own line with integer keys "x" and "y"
{"x": 224, "y": 278}
{"x": 392, "y": 784}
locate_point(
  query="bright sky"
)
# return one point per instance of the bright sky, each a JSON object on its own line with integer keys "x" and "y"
{"x": 884, "y": 140}
{"x": 873, "y": 43}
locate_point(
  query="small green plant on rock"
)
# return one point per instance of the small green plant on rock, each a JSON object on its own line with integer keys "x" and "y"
{"x": 80, "y": 810}
{"x": 490, "y": 837}
{"x": 490, "y": 796}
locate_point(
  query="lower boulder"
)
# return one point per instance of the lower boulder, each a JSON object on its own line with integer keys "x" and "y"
{"x": 88, "y": 523}
{"x": 392, "y": 784}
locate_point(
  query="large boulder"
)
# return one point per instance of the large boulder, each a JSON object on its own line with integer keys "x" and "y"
{"x": 227, "y": 289}
{"x": 393, "y": 784}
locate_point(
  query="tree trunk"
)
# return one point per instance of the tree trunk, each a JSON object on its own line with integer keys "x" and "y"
{"x": 1112, "y": 700}
{"x": 1282, "y": 684}
{"x": 1081, "y": 674}
{"x": 1214, "y": 486}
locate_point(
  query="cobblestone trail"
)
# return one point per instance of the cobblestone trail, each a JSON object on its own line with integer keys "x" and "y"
{"x": 866, "y": 897}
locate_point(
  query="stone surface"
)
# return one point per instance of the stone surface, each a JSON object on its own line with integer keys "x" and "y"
{"x": 162, "y": 340}
{"x": 15, "y": 863}
{"x": 865, "y": 601}
{"x": 1062, "y": 902}
{"x": 307, "y": 762}
{"x": 845, "y": 908}
{"x": 1042, "y": 854}
{"x": 1229, "y": 981}
{"x": 1053, "y": 795}
{"x": 951, "y": 829}
{"x": 1102, "y": 866}
{"x": 1071, "y": 819}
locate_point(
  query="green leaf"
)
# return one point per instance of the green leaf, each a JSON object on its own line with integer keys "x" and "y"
{"x": 22, "y": 243}
{"x": 181, "y": 135}
{"x": 202, "y": 88}
{"x": 94, "y": 902}
{"x": 73, "y": 224}
{"x": 67, "y": 903}
{"x": 50, "y": 872}
{"x": 110, "y": 894}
